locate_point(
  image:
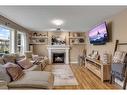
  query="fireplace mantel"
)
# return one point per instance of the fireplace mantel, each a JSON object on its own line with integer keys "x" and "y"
{"x": 58, "y": 49}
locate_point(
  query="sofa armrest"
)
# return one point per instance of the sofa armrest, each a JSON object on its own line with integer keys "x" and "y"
{"x": 2, "y": 82}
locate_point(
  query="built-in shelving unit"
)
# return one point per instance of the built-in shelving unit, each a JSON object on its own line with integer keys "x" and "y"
{"x": 76, "y": 38}
{"x": 39, "y": 38}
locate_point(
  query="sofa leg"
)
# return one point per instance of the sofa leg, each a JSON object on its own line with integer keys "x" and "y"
{"x": 51, "y": 80}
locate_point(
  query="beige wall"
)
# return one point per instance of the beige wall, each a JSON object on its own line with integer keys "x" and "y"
{"x": 75, "y": 50}
{"x": 15, "y": 27}
{"x": 118, "y": 31}
{"x": 40, "y": 50}
{"x": 117, "y": 26}
{"x": 6, "y": 22}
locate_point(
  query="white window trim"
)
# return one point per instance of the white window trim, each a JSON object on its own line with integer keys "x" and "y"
{"x": 11, "y": 40}
{"x": 23, "y": 42}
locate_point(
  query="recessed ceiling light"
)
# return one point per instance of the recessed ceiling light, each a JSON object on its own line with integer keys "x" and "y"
{"x": 57, "y": 22}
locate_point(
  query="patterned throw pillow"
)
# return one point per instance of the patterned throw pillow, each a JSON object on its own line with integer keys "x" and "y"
{"x": 3, "y": 74}
{"x": 1, "y": 61}
{"x": 25, "y": 63}
{"x": 28, "y": 54}
{"x": 35, "y": 57}
{"x": 14, "y": 71}
{"x": 9, "y": 58}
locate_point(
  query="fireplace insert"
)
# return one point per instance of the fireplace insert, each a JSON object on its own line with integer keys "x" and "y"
{"x": 58, "y": 57}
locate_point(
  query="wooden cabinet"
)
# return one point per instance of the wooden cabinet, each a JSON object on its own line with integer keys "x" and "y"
{"x": 98, "y": 68}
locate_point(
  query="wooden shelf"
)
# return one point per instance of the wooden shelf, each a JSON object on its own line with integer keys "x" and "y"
{"x": 39, "y": 37}
{"x": 38, "y": 44}
{"x": 78, "y": 43}
{"x": 98, "y": 68}
{"x": 77, "y": 37}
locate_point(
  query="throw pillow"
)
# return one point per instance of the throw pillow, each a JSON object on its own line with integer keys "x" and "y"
{"x": 1, "y": 61}
{"x": 25, "y": 63}
{"x": 14, "y": 71}
{"x": 3, "y": 74}
{"x": 35, "y": 57}
{"x": 9, "y": 58}
{"x": 28, "y": 54}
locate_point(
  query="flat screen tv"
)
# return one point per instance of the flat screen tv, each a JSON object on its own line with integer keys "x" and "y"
{"x": 98, "y": 35}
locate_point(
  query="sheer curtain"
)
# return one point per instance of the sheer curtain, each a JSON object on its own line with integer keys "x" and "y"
{"x": 21, "y": 42}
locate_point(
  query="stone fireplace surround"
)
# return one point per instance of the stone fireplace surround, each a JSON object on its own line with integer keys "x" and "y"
{"x": 58, "y": 49}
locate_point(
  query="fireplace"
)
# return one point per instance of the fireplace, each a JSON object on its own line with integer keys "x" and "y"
{"x": 58, "y": 52}
{"x": 58, "y": 57}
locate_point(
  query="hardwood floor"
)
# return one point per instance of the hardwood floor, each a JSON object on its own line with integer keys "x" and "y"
{"x": 86, "y": 79}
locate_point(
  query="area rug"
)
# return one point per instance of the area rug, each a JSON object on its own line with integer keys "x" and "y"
{"x": 63, "y": 76}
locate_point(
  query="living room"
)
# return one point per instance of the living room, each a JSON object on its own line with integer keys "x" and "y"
{"x": 56, "y": 40}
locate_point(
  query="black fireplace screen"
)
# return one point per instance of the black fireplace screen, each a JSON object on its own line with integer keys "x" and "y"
{"x": 58, "y": 57}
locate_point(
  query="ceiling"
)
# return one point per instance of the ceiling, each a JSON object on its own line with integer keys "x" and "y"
{"x": 76, "y": 18}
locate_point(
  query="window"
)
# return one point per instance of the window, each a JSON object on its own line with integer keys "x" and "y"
{"x": 12, "y": 41}
{"x": 4, "y": 40}
{"x": 21, "y": 42}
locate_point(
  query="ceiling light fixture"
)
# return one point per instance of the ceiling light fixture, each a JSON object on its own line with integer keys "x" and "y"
{"x": 57, "y": 22}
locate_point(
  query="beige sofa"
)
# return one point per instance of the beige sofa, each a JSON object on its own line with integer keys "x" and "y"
{"x": 40, "y": 65}
{"x": 31, "y": 79}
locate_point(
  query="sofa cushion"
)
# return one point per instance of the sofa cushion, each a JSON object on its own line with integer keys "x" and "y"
{"x": 33, "y": 79}
{"x": 34, "y": 68}
{"x": 35, "y": 57}
{"x": 9, "y": 58}
{"x": 1, "y": 60}
{"x": 28, "y": 54}
{"x": 25, "y": 63}
{"x": 3, "y": 74}
{"x": 14, "y": 71}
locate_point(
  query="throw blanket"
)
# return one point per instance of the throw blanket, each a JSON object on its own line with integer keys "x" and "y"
{"x": 118, "y": 71}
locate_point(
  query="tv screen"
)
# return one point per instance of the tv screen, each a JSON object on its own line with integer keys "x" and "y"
{"x": 98, "y": 35}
